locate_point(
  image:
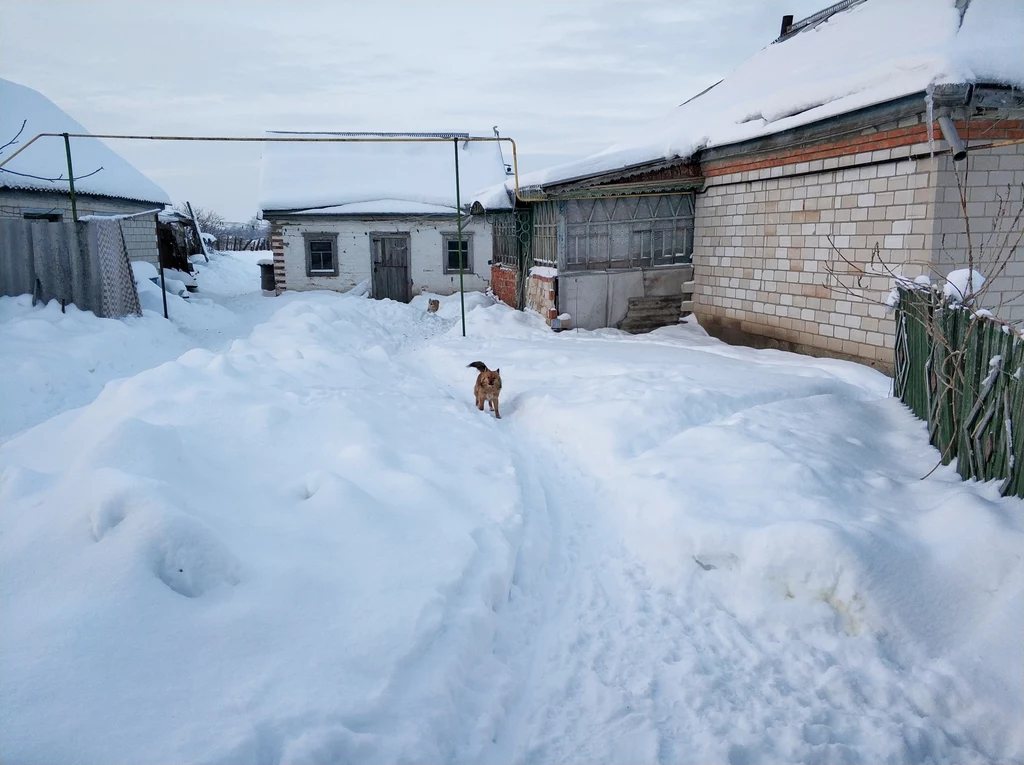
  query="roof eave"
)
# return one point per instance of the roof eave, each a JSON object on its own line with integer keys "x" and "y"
{"x": 64, "y": 193}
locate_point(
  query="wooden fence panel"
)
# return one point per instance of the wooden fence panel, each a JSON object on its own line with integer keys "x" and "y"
{"x": 964, "y": 375}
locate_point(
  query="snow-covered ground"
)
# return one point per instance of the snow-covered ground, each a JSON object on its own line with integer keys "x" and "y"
{"x": 297, "y": 541}
{"x": 51, "y": 361}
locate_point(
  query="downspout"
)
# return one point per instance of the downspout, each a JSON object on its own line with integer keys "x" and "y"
{"x": 956, "y": 145}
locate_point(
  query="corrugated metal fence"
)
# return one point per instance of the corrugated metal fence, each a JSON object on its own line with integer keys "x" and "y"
{"x": 85, "y": 263}
{"x": 964, "y": 375}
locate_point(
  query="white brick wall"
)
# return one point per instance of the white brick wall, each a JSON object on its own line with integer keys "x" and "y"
{"x": 354, "y": 252}
{"x": 993, "y": 185}
{"x": 806, "y": 259}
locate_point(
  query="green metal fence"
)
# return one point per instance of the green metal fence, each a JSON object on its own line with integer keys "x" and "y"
{"x": 964, "y": 375}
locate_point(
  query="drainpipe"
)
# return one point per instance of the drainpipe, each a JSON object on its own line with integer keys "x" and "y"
{"x": 956, "y": 145}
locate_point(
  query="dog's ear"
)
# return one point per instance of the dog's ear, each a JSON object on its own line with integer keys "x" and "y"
{"x": 497, "y": 371}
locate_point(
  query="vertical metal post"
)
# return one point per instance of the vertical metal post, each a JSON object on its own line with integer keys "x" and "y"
{"x": 163, "y": 286}
{"x": 462, "y": 247}
{"x": 71, "y": 178}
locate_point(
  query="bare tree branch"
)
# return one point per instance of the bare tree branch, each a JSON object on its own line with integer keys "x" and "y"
{"x": 58, "y": 178}
{"x": 17, "y": 135}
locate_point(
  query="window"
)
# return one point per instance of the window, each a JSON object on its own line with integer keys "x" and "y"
{"x": 50, "y": 216}
{"x": 624, "y": 232}
{"x": 321, "y": 254}
{"x": 452, "y": 251}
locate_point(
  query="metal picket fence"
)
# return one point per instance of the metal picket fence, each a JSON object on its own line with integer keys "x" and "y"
{"x": 964, "y": 375}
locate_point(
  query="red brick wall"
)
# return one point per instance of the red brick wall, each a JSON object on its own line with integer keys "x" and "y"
{"x": 503, "y": 284}
{"x": 976, "y": 131}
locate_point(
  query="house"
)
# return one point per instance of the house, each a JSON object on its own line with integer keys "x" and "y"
{"x": 378, "y": 207}
{"x": 829, "y": 164}
{"x": 34, "y": 184}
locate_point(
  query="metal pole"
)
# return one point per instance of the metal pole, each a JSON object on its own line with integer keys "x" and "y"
{"x": 290, "y": 139}
{"x": 462, "y": 248}
{"x": 71, "y": 178}
{"x": 163, "y": 286}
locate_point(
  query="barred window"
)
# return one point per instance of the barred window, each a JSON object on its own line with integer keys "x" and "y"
{"x": 627, "y": 232}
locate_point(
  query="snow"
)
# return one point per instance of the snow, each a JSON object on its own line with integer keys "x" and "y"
{"x": 377, "y": 177}
{"x": 544, "y": 272}
{"x": 302, "y": 543}
{"x": 963, "y": 284}
{"x": 381, "y": 207}
{"x": 51, "y": 362}
{"x": 47, "y": 158}
{"x": 857, "y": 58}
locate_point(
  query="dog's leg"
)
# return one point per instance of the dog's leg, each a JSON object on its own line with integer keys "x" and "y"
{"x": 494, "y": 406}
{"x": 480, "y": 402}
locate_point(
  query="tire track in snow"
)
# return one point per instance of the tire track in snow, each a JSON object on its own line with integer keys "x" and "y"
{"x": 623, "y": 671}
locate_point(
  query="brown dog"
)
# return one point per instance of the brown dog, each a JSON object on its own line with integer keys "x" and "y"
{"x": 487, "y": 388}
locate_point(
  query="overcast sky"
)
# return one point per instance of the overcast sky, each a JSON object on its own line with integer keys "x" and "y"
{"x": 564, "y": 78}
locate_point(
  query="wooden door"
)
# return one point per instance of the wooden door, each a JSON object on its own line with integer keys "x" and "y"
{"x": 391, "y": 267}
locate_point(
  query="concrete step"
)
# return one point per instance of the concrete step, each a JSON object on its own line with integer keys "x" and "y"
{"x": 647, "y": 313}
{"x": 661, "y": 301}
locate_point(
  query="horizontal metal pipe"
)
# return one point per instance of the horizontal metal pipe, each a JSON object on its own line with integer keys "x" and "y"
{"x": 283, "y": 139}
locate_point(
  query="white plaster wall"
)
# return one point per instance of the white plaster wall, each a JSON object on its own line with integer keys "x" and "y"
{"x": 426, "y": 258}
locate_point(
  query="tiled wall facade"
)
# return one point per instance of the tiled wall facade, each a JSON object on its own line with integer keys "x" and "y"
{"x": 802, "y": 255}
{"x": 140, "y": 233}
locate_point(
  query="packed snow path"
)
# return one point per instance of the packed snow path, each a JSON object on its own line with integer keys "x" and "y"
{"x": 310, "y": 547}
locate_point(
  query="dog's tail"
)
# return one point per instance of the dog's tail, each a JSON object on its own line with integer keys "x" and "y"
{"x": 478, "y": 365}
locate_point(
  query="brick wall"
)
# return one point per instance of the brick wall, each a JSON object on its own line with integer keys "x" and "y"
{"x": 139, "y": 233}
{"x": 798, "y": 250}
{"x": 277, "y": 247}
{"x": 994, "y": 191}
{"x": 892, "y": 141}
{"x": 141, "y": 238}
{"x": 503, "y": 284}
{"x": 540, "y": 296}
{"x": 13, "y": 202}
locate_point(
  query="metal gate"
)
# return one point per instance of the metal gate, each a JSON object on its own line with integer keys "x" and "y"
{"x": 512, "y": 238}
{"x": 391, "y": 267}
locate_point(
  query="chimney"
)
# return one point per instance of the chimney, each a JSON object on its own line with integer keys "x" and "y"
{"x": 787, "y": 24}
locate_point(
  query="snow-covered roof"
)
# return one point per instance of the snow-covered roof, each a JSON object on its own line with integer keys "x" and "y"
{"x": 872, "y": 53}
{"x": 381, "y": 207}
{"x": 368, "y": 177}
{"x": 46, "y": 158}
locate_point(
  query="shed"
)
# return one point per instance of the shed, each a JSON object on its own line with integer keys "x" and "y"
{"x": 379, "y": 207}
